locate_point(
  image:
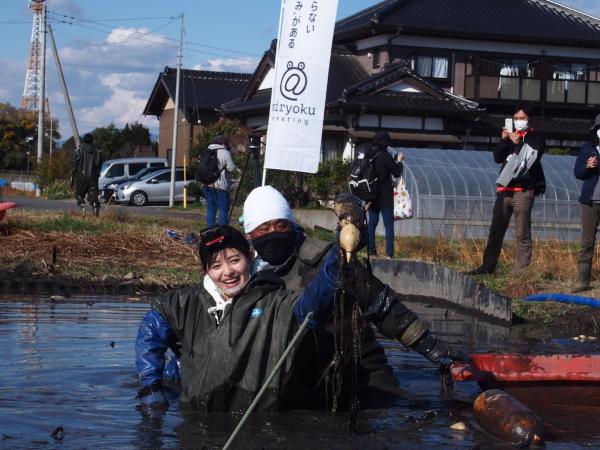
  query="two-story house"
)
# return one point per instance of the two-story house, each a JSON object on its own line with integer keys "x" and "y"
{"x": 445, "y": 74}
{"x": 201, "y": 93}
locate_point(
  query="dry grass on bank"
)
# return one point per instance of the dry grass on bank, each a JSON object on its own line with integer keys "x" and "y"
{"x": 114, "y": 246}
{"x": 553, "y": 267}
{"x": 117, "y": 245}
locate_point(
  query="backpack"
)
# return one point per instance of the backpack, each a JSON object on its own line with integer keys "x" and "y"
{"x": 364, "y": 181}
{"x": 208, "y": 167}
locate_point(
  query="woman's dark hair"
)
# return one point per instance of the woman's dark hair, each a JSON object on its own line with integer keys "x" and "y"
{"x": 219, "y": 237}
{"x": 525, "y": 107}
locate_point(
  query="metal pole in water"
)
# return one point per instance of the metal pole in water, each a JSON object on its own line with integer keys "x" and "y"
{"x": 268, "y": 380}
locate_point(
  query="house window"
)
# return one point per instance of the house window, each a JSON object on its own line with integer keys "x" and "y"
{"x": 570, "y": 71}
{"x": 516, "y": 68}
{"x": 376, "y": 59}
{"x": 432, "y": 66}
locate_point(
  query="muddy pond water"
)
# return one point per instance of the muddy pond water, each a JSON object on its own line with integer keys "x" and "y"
{"x": 70, "y": 364}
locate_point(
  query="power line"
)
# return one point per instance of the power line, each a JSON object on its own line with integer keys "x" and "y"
{"x": 120, "y": 19}
{"x": 73, "y": 21}
{"x": 133, "y": 38}
{"x": 140, "y": 38}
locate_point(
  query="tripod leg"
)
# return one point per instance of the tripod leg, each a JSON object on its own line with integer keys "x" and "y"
{"x": 237, "y": 191}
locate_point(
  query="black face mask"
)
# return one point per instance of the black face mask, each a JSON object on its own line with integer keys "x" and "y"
{"x": 275, "y": 248}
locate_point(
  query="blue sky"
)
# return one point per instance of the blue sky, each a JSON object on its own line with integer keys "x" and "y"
{"x": 110, "y": 67}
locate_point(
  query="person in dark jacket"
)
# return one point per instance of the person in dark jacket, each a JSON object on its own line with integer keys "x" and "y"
{"x": 235, "y": 326}
{"x": 385, "y": 167}
{"x": 521, "y": 179}
{"x": 85, "y": 170}
{"x": 232, "y": 328}
{"x": 587, "y": 168}
{"x": 281, "y": 245}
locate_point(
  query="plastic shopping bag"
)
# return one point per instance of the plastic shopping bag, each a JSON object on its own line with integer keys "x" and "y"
{"x": 402, "y": 201}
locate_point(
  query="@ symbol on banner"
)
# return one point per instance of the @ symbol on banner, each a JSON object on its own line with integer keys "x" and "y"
{"x": 293, "y": 81}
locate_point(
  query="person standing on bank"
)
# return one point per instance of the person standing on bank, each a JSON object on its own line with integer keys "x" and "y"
{"x": 587, "y": 168}
{"x": 521, "y": 178}
{"x": 217, "y": 193}
{"x": 385, "y": 167}
{"x": 85, "y": 170}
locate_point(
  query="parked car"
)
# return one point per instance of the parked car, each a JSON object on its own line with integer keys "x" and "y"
{"x": 107, "y": 192}
{"x": 154, "y": 187}
{"x": 118, "y": 170}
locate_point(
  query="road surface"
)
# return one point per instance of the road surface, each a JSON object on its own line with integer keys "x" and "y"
{"x": 43, "y": 204}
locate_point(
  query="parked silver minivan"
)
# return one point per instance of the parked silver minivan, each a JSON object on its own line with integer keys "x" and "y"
{"x": 115, "y": 171}
{"x": 154, "y": 187}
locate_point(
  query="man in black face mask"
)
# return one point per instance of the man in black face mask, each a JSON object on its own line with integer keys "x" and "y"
{"x": 282, "y": 245}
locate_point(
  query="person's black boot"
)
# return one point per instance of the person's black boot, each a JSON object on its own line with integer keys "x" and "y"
{"x": 583, "y": 280}
{"x": 481, "y": 270}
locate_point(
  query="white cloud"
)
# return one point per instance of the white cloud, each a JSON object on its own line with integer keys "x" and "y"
{"x": 244, "y": 64}
{"x": 123, "y": 104}
{"x": 124, "y": 49}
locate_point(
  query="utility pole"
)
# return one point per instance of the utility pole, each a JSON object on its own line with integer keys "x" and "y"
{"x": 50, "y": 140}
{"x": 176, "y": 118}
{"x": 63, "y": 85}
{"x": 40, "y": 130}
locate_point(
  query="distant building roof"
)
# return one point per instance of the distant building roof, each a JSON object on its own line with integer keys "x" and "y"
{"x": 429, "y": 98}
{"x": 539, "y": 21}
{"x": 199, "y": 89}
{"x": 350, "y": 85}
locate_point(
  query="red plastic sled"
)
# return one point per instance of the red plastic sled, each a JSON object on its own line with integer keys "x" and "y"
{"x": 570, "y": 381}
{"x": 4, "y": 206}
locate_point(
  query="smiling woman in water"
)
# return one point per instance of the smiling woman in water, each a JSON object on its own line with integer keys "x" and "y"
{"x": 232, "y": 328}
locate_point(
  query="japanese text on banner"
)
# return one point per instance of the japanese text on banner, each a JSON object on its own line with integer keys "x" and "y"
{"x": 298, "y": 96}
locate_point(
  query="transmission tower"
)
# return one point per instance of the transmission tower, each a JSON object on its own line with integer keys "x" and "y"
{"x": 33, "y": 79}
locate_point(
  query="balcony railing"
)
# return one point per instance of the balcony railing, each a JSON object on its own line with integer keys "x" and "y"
{"x": 530, "y": 89}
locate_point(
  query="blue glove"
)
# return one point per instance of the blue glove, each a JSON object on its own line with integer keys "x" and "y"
{"x": 172, "y": 371}
{"x": 153, "y": 397}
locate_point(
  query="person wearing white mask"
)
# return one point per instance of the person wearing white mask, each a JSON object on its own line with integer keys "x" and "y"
{"x": 588, "y": 169}
{"x": 515, "y": 190}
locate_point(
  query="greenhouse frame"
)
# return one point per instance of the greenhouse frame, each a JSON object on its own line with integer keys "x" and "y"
{"x": 453, "y": 194}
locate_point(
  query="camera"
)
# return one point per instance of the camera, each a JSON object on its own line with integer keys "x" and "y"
{"x": 254, "y": 142}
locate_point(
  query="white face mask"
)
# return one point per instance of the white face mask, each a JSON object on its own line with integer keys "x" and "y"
{"x": 598, "y": 133}
{"x": 521, "y": 125}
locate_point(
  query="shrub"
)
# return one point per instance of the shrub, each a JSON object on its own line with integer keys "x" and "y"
{"x": 233, "y": 129}
{"x": 330, "y": 180}
{"x": 58, "y": 190}
{"x": 54, "y": 168}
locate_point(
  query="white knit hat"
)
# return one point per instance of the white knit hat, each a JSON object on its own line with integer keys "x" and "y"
{"x": 265, "y": 203}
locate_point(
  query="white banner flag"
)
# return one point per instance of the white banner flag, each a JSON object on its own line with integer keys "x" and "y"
{"x": 298, "y": 95}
